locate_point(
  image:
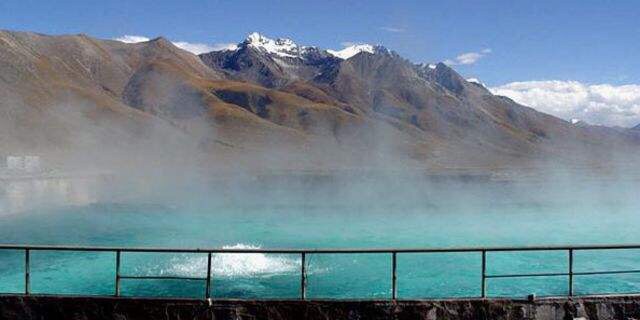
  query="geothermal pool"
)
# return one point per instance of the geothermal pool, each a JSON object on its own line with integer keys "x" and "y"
{"x": 440, "y": 214}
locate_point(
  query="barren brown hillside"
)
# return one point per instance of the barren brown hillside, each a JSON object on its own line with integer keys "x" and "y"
{"x": 102, "y": 100}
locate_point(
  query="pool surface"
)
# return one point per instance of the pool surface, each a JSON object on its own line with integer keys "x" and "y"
{"x": 296, "y": 215}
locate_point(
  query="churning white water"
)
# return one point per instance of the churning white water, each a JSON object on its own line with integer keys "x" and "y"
{"x": 230, "y": 264}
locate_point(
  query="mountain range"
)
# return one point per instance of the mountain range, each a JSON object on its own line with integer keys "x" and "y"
{"x": 270, "y": 103}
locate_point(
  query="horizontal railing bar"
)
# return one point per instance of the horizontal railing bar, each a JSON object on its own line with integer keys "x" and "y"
{"x": 317, "y": 251}
{"x": 162, "y": 278}
{"x": 303, "y": 252}
{"x": 589, "y": 273}
{"x": 526, "y": 275}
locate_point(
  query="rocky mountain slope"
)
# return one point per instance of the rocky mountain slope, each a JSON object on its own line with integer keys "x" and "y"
{"x": 63, "y": 95}
{"x": 270, "y": 104}
{"x": 447, "y": 119}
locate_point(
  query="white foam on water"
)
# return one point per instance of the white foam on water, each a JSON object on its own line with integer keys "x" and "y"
{"x": 248, "y": 264}
{"x": 235, "y": 264}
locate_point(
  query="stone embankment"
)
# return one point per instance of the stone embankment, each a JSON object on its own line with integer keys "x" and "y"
{"x": 82, "y": 308}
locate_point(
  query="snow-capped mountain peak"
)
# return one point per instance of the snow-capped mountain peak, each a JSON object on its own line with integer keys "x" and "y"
{"x": 287, "y": 48}
{"x": 351, "y": 51}
{"x": 281, "y": 46}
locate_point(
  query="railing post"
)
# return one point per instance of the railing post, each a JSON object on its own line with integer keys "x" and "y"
{"x": 394, "y": 276}
{"x": 303, "y": 277}
{"x": 117, "y": 290}
{"x": 484, "y": 274}
{"x": 207, "y": 294}
{"x": 570, "y": 272}
{"x": 27, "y": 272}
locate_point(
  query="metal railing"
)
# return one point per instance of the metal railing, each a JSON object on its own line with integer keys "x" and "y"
{"x": 304, "y": 253}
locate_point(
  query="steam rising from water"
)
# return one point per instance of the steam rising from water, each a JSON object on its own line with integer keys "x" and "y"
{"x": 224, "y": 188}
{"x": 277, "y": 213}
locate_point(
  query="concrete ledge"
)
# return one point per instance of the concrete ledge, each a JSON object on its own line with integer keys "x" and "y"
{"x": 97, "y": 308}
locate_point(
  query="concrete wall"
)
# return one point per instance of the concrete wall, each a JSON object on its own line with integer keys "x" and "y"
{"x": 77, "y": 308}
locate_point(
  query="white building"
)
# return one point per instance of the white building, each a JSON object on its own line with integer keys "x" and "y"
{"x": 32, "y": 163}
{"x": 24, "y": 163}
{"x": 15, "y": 163}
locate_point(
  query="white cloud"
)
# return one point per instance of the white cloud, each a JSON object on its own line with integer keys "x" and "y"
{"x": 392, "y": 29}
{"x": 602, "y": 104}
{"x": 195, "y": 48}
{"x": 131, "y": 39}
{"x": 476, "y": 81}
{"x": 468, "y": 57}
{"x": 224, "y": 46}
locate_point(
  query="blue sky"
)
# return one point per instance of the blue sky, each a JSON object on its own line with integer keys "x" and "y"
{"x": 586, "y": 42}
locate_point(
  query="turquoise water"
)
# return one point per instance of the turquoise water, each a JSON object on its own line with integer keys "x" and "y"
{"x": 298, "y": 216}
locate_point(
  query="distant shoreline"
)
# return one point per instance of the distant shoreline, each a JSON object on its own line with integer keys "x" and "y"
{"x": 52, "y": 176}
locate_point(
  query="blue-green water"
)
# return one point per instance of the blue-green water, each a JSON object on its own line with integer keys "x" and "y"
{"x": 433, "y": 215}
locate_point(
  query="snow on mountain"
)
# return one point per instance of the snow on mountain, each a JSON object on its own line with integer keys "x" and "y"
{"x": 284, "y": 47}
{"x": 281, "y": 47}
{"x": 351, "y": 51}
{"x": 426, "y": 67}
